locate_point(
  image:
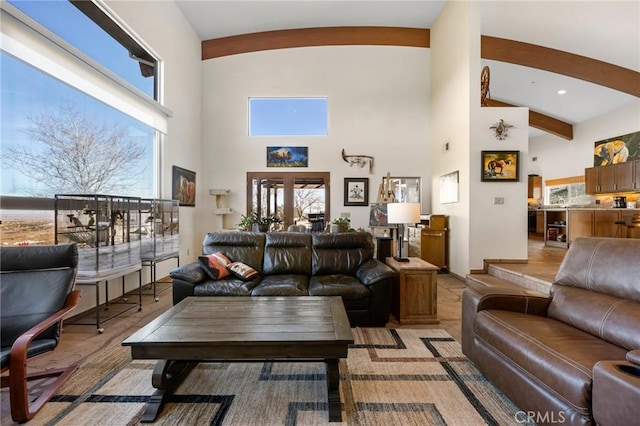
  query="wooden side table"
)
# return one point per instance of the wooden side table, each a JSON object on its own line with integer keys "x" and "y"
{"x": 415, "y": 291}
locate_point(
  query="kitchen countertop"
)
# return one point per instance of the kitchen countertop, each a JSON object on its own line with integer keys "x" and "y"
{"x": 584, "y": 208}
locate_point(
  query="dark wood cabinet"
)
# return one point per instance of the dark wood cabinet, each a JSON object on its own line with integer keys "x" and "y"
{"x": 433, "y": 241}
{"x": 535, "y": 187}
{"x": 615, "y": 178}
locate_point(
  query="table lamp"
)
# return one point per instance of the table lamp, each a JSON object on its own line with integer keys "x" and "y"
{"x": 401, "y": 214}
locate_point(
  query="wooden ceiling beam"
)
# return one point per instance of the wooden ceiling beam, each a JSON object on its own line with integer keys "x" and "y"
{"x": 305, "y": 37}
{"x": 541, "y": 121}
{"x": 493, "y": 48}
{"x": 557, "y": 61}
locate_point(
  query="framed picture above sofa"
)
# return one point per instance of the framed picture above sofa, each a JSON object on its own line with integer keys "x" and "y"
{"x": 356, "y": 191}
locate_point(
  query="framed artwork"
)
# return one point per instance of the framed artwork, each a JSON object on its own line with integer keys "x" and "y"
{"x": 500, "y": 166}
{"x": 449, "y": 188}
{"x": 619, "y": 149}
{"x": 378, "y": 215}
{"x": 287, "y": 156}
{"x": 183, "y": 186}
{"x": 405, "y": 189}
{"x": 356, "y": 191}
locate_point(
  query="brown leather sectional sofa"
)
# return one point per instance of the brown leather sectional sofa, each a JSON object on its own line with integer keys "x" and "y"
{"x": 570, "y": 358}
{"x": 298, "y": 264}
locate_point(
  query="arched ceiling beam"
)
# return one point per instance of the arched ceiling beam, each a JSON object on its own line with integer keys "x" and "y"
{"x": 541, "y": 121}
{"x": 560, "y": 62}
{"x": 305, "y": 37}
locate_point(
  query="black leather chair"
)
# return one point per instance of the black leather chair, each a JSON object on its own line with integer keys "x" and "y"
{"x": 37, "y": 291}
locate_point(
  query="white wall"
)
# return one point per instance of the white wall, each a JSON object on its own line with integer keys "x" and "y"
{"x": 378, "y": 106}
{"x": 478, "y": 228}
{"x": 498, "y": 231}
{"x": 560, "y": 158}
{"x": 450, "y": 123}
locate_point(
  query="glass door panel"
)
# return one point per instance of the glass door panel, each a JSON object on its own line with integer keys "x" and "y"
{"x": 296, "y": 198}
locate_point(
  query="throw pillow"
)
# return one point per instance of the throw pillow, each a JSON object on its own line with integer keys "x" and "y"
{"x": 215, "y": 265}
{"x": 242, "y": 271}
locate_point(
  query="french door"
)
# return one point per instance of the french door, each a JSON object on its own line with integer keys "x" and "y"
{"x": 296, "y": 197}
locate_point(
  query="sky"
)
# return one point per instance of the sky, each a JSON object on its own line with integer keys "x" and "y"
{"x": 25, "y": 90}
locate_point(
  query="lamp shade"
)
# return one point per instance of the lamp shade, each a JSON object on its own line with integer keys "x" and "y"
{"x": 403, "y": 212}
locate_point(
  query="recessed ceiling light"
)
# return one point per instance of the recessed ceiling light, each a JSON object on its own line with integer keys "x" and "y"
{"x": 561, "y": 92}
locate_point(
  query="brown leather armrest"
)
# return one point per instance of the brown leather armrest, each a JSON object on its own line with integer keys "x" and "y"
{"x": 616, "y": 391}
{"x": 634, "y": 356}
{"x": 478, "y": 297}
{"x": 509, "y": 299}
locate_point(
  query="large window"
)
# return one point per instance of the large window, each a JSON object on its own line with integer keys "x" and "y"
{"x": 116, "y": 51}
{"x": 73, "y": 119}
{"x": 288, "y": 116}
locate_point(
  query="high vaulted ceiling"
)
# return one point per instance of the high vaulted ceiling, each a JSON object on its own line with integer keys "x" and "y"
{"x": 607, "y": 31}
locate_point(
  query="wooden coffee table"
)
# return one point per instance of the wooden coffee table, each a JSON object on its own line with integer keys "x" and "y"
{"x": 205, "y": 329}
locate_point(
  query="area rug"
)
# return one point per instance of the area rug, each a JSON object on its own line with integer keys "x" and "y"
{"x": 391, "y": 377}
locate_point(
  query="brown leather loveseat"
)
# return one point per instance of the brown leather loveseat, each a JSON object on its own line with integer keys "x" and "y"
{"x": 570, "y": 358}
{"x": 297, "y": 264}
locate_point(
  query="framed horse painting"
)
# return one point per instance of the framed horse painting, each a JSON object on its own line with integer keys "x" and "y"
{"x": 183, "y": 186}
{"x": 500, "y": 166}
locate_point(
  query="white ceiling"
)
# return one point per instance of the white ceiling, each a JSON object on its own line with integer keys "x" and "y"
{"x": 606, "y": 30}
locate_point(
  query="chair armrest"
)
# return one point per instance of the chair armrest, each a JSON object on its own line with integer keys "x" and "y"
{"x": 506, "y": 299}
{"x": 378, "y": 278}
{"x": 374, "y": 271}
{"x": 191, "y": 273}
{"x": 18, "y": 353}
{"x": 476, "y": 298}
{"x": 616, "y": 391}
{"x": 634, "y": 356}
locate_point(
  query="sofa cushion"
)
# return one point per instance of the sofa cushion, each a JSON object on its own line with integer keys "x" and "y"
{"x": 287, "y": 253}
{"x": 608, "y": 317}
{"x": 282, "y": 285}
{"x": 245, "y": 247}
{"x": 354, "y": 294}
{"x": 215, "y": 265}
{"x": 229, "y": 286}
{"x": 596, "y": 289}
{"x": 242, "y": 271}
{"x": 559, "y": 356}
{"x": 340, "y": 253}
{"x": 603, "y": 265}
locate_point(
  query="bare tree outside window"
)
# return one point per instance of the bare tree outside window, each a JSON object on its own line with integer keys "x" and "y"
{"x": 304, "y": 200}
{"x": 70, "y": 152}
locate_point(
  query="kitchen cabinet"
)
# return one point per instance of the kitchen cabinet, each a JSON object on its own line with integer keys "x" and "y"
{"x": 580, "y": 224}
{"x": 604, "y": 223}
{"x": 534, "y": 187}
{"x": 556, "y": 228}
{"x": 540, "y": 222}
{"x": 614, "y": 178}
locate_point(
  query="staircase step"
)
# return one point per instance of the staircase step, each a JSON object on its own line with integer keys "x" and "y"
{"x": 519, "y": 279}
{"x": 489, "y": 281}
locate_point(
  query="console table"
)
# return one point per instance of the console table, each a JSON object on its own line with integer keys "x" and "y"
{"x": 415, "y": 291}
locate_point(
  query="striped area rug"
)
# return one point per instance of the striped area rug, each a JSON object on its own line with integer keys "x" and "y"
{"x": 391, "y": 377}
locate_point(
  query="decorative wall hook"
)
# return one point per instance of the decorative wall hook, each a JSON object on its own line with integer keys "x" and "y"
{"x": 360, "y": 160}
{"x": 500, "y": 129}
